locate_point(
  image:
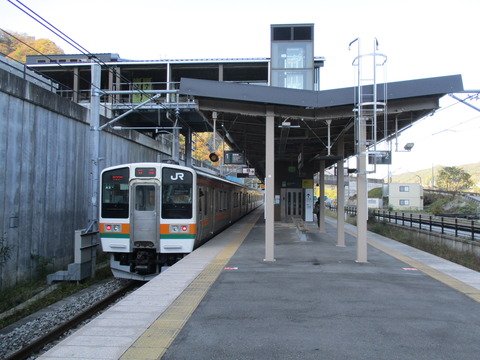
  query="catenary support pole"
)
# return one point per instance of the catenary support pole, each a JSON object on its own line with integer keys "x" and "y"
{"x": 95, "y": 138}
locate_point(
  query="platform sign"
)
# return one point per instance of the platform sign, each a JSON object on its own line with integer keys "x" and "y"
{"x": 307, "y": 183}
{"x": 234, "y": 158}
{"x": 309, "y": 205}
{"x": 380, "y": 157}
{"x": 249, "y": 171}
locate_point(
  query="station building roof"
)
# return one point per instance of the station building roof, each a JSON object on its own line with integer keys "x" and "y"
{"x": 241, "y": 112}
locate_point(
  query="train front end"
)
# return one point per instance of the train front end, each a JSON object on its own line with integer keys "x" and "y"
{"x": 147, "y": 217}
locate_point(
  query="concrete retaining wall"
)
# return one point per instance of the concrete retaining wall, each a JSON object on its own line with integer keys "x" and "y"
{"x": 46, "y": 180}
{"x": 456, "y": 243}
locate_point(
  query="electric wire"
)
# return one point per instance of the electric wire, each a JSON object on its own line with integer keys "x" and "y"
{"x": 84, "y": 51}
{"x": 49, "y": 58}
{"x": 35, "y": 16}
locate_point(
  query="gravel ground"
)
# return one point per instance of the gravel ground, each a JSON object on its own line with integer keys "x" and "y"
{"x": 36, "y": 325}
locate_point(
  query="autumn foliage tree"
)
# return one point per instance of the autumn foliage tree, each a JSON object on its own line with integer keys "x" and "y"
{"x": 452, "y": 178}
{"x": 19, "y": 45}
{"x": 205, "y": 145}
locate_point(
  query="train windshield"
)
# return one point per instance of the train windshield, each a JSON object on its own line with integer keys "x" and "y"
{"x": 115, "y": 193}
{"x": 177, "y": 191}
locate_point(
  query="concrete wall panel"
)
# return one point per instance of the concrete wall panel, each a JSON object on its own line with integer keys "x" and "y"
{"x": 46, "y": 182}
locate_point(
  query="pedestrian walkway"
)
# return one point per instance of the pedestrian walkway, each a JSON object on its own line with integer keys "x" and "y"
{"x": 314, "y": 302}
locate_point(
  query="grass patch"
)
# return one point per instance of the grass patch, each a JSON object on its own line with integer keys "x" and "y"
{"x": 16, "y": 295}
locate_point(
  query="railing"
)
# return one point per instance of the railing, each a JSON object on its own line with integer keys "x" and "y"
{"x": 21, "y": 70}
{"x": 451, "y": 226}
{"x": 352, "y": 210}
{"x": 443, "y": 224}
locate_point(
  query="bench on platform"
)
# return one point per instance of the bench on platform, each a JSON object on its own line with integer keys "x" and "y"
{"x": 301, "y": 228}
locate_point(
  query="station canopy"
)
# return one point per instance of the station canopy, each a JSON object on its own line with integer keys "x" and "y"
{"x": 301, "y": 116}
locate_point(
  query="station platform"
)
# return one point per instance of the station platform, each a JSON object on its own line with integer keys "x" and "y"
{"x": 314, "y": 302}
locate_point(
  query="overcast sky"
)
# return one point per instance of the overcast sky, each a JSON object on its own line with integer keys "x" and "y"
{"x": 421, "y": 38}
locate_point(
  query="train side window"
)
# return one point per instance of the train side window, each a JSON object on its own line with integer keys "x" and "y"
{"x": 235, "y": 199}
{"x": 220, "y": 198}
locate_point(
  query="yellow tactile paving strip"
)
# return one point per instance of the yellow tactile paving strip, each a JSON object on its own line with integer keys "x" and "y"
{"x": 448, "y": 280}
{"x": 155, "y": 341}
{"x": 458, "y": 285}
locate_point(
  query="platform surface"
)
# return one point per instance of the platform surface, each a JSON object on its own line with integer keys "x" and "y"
{"x": 313, "y": 302}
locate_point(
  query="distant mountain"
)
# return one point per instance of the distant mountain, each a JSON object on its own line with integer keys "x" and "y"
{"x": 425, "y": 176}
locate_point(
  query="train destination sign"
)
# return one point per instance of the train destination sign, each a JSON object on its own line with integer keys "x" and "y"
{"x": 380, "y": 157}
{"x": 234, "y": 158}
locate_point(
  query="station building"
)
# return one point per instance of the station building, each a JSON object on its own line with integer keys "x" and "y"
{"x": 271, "y": 111}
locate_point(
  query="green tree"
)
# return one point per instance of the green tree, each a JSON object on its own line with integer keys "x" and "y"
{"x": 20, "y": 45}
{"x": 452, "y": 178}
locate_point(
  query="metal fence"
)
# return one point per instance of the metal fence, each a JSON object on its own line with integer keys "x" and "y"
{"x": 445, "y": 225}
{"x": 457, "y": 227}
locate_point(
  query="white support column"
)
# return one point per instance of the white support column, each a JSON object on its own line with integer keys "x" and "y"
{"x": 76, "y": 88}
{"x": 269, "y": 184}
{"x": 118, "y": 83}
{"x": 169, "y": 80}
{"x": 321, "y": 183}
{"x": 362, "y": 195}
{"x": 340, "y": 193}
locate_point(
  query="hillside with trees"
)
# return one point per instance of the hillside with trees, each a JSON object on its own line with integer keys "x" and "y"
{"x": 17, "y": 46}
{"x": 433, "y": 175}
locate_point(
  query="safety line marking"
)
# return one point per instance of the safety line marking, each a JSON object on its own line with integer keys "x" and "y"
{"x": 448, "y": 280}
{"x": 155, "y": 341}
{"x": 456, "y": 284}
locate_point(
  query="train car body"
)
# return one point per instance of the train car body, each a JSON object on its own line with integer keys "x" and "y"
{"x": 153, "y": 214}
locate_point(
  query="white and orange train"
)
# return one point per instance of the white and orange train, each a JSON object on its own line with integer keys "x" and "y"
{"x": 153, "y": 214}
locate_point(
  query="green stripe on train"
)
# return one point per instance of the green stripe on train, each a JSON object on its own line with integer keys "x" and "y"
{"x": 162, "y": 236}
{"x": 114, "y": 235}
{"x": 177, "y": 236}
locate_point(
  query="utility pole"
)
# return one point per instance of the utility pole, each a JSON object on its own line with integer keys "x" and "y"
{"x": 95, "y": 138}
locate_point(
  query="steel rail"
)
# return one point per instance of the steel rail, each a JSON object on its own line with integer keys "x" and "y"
{"x": 39, "y": 343}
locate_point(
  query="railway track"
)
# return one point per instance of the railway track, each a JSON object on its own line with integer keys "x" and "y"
{"x": 52, "y": 335}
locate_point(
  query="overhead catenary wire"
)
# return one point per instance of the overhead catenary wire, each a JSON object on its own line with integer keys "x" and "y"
{"x": 48, "y": 57}
{"x": 45, "y": 23}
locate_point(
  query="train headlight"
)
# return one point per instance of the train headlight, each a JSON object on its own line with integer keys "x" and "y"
{"x": 113, "y": 228}
{"x": 176, "y": 229}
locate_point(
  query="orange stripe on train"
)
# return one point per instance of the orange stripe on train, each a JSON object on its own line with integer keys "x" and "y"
{"x": 125, "y": 227}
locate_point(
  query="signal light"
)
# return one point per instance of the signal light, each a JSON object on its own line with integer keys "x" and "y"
{"x": 213, "y": 157}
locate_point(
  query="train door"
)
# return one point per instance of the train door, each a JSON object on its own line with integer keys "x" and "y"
{"x": 145, "y": 214}
{"x": 202, "y": 215}
{"x": 292, "y": 203}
